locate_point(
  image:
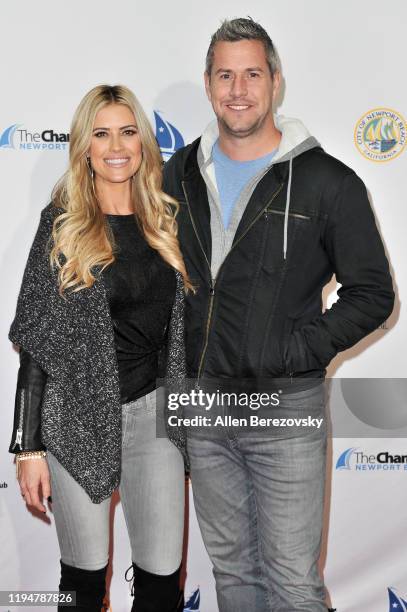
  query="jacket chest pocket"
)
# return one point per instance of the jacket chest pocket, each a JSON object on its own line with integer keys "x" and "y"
{"x": 287, "y": 246}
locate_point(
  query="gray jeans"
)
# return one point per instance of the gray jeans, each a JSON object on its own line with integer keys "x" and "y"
{"x": 151, "y": 492}
{"x": 259, "y": 502}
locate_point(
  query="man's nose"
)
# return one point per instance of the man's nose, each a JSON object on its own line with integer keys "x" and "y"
{"x": 239, "y": 86}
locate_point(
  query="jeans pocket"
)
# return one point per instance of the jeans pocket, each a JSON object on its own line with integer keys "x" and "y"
{"x": 313, "y": 399}
{"x": 124, "y": 426}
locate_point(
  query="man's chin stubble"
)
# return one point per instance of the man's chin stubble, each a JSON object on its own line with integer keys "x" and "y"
{"x": 241, "y": 133}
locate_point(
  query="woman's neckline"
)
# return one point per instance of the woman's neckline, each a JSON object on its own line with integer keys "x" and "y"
{"x": 112, "y": 217}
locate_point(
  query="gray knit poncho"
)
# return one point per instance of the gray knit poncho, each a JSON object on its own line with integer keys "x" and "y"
{"x": 72, "y": 339}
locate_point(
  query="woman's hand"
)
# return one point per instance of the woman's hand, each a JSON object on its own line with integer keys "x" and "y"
{"x": 34, "y": 482}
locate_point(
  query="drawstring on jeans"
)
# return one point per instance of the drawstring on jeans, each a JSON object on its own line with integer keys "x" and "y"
{"x": 287, "y": 208}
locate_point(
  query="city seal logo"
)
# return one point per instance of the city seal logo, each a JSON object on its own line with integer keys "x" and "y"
{"x": 380, "y": 134}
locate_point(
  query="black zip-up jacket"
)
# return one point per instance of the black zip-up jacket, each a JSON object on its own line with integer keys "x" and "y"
{"x": 261, "y": 317}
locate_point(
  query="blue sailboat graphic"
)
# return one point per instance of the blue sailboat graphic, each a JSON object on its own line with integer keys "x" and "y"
{"x": 168, "y": 137}
{"x": 343, "y": 462}
{"x": 193, "y": 602}
{"x": 6, "y": 139}
{"x": 396, "y": 604}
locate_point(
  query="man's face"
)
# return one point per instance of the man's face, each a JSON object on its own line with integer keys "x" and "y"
{"x": 240, "y": 87}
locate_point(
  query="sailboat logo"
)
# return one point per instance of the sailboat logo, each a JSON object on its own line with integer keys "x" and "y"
{"x": 343, "y": 462}
{"x": 396, "y": 603}
{"x": 168, "y": 137}
{"x": 193, "y": 602}
{"x": 6, "y": 138}
{"x": 380, "y": 135}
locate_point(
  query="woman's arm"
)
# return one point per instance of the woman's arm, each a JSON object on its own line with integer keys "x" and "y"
{"x": 31, "y": 381}
{"x": 32, "y": 473}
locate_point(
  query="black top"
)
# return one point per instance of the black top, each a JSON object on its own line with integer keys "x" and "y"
{"x": 140, "y": 289}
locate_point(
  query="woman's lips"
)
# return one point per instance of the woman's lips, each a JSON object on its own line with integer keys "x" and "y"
{"x": 116, "y": 162}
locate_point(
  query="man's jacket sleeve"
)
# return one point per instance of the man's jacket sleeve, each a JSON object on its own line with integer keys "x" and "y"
{"x": 366, "y": 297}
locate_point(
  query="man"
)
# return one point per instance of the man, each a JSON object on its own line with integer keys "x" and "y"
{"x": 266, "y": 218}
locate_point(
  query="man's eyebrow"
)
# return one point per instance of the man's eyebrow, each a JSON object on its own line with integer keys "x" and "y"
{"x": 228, "y": 70}
{"x": 121, "y": 128}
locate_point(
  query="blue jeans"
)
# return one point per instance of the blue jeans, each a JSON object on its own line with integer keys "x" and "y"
{"x": 259, "y": 503}
{"x": 152, "y": 494}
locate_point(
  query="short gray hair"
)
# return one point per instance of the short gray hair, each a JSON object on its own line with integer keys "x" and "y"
{"x": 243, "y": 29}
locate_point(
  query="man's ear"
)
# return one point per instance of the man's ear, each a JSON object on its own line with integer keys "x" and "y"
{"x": 208, "y": 85}
{"x": 276, "y": 83}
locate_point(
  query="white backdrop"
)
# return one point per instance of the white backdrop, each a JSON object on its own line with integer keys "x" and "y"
{"x": 339, "y": 61}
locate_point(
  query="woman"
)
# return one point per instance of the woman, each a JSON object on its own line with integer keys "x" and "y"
{"x": 99, "y": 316}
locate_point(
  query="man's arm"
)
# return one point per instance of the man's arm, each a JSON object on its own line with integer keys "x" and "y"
{"x": 366, "y": 297}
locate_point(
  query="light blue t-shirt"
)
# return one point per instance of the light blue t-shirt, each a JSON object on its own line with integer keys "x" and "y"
{"x": 232, "y": 176}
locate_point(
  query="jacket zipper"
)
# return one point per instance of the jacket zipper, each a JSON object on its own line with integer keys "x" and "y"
{"x": 213, "y": 280}
{"x": 19, "y": 434}
{"x": 286, "y": 366}
{"x": 295, "y": 215}
{"x": 208, "y": 323}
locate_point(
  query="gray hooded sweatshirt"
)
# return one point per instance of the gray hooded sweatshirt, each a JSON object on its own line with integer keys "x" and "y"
{"x": 295, "y": 139}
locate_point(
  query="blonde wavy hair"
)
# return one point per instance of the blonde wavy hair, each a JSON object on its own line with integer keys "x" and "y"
{"x": 81, "y": 238}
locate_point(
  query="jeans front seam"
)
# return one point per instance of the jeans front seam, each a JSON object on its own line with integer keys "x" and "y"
{"x": 63, "y": 506}
{"x": 259, "y": 556}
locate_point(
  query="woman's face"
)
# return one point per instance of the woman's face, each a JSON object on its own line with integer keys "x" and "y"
{"x": 115, "y": 149}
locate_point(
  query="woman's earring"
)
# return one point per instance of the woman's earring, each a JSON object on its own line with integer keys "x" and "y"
{"x": 92, "y": 174}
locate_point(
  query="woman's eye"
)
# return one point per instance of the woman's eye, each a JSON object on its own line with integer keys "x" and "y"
{"x": 99, "y": 134}
{"x": 130, "y": 132}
